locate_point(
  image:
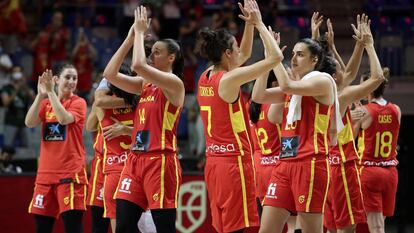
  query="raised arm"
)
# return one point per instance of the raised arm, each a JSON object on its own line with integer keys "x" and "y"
{"x": 170, "y": 83}
{"x": 105, "y": 101}
{"x": 125, "y": 82}
{"x": 331, "y": 43}
{"x": 231, "y": 81}
{"x": 247, "y": 39}
{"x": 316, "y": 22}
{"x": 32, "y": 117}
{"x": 356, "y": 92}
{"x": 361, "y": 39}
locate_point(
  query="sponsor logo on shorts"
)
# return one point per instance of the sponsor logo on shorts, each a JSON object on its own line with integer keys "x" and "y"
{"x": 269, "y": 160}
{"x": 125, "y": 185}
{"x": 39, "y": 201}
{"x": 271, "y": 191}
{"x": 66, "y": 200}
{"x": 214, "y": 148}
{"x": 301, "y": 199}
{"x": 155, "y": 197}
{"x": 388, "y": 163}
{"x": 114, "y": 159}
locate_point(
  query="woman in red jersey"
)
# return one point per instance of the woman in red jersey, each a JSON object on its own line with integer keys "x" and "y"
{"x": 377, "y": 145}
{"x": 152, "y": 174}
{"x": 300, "y": 179}
{"x": 61, "y": 178}
{"x": 229, "y": 170}
{"x": 345, "y": 208}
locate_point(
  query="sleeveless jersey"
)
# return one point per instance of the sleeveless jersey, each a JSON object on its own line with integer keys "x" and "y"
{"x": 345, "y": 149}
{"x": 267, "y": 136}
{"x": 115, "y": 151}
{"x": 155, "y": 124}
{"x": 226, "y": 126}
{"x": 98, "y": 143}
{"x": 307, "y": 137}
{"x": 377, "y": 144}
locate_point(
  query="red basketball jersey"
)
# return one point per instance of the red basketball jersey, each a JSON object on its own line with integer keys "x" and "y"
{"x": 267, "y": 133}
{"x": 62, "y": 152}
{"x": 307, "y": 137}
{"x": 345, "y": 149}
{"x": 115, "y": 151}
{"x": 98, "y": 143}
{"x": 226, "y": 126}
{"x": 378, "y": 143}
{"x": 155, "y": 124}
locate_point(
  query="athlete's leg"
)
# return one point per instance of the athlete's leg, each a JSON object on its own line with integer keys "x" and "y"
{"x": 291, "y": 224}
{"x": 311, "y": 223}
{"x": 347, "y": 229}
{"x": 72, "y": 221}
{"x": 259, "y": 207}
{"x": 375, "y": 222}
{"x": 127, "y": 216}
{"x": 164, "y": 219}
{"x": 44, "y": 224}
{"x": 273, "y": 219}
{"x": 113, "y": 224}
{"x": 99, "y": 224}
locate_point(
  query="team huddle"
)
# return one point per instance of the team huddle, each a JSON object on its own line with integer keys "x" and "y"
{"x": 285, "y": 159}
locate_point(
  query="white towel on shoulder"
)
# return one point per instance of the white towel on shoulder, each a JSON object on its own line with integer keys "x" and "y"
{"x": 295, "y": 109}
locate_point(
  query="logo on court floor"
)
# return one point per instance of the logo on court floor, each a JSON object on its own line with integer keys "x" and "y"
{"x": 125, "y": 185}
{"x": 271, "y": 191}
{"x": 192, "y": 206}
{"x": 39, "y": 201}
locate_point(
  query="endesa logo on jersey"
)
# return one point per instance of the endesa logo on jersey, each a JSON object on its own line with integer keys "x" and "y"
{"x": 214, "y": 148}
{"x": 114, "y": 159}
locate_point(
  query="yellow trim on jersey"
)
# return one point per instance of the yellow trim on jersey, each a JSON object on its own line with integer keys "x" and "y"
{"x": 359, "y": 180}
{"x": 85, "y": 193}
{"x": 72, "y": 196}
{"x": 105, "y": 150}
{"x": 168, "y": 122}
{"x": 361, "y": 146}
{"x": 97, "y": 135}
{"x": 328, "y": 171}
{"x": 248, "y": 140}
{"x": 162, "y": 181}
{"x": 321, "y": 125}
{"x": 244, "y": 193}
{"x": 103, "y": 198}
{"x": 77, "y": 178}
{"x": 237, "y": 125}
{"x": 345, "y": 136}
{"x": 31, "y": 202}
{"x": 348, "y": 198}
{"x": 177, "y": 187}
{"x": 95, "y": 178}
{"x": 174, "y": 143}
{"x": 86, "y": 175}
{"x": 312, "y": 179}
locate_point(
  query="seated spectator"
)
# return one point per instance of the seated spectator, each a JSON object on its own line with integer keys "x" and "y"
{"x": 12, "y": 23}
{"x": 5, "y": 66}
{"x": 59, "y": 40}
{"x": 6, "y": 164}
{"x": 16, "y": 97}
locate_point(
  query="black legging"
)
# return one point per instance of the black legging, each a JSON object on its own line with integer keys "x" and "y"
{"x": 72, "y": 222}
{"x": 99, "y": 223}
{"x": 128, "y": 214}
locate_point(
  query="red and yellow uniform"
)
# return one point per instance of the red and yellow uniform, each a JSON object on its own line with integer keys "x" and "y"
{"x": 266, "y": 153}
{"x": 115, "y": 153}
{"x": 96, "y": 181}
{"x": 378, "y": 150}
{"x": 345, "y": 203}
{"x": 300, "y": 179}
{"x": 152, "y": 174}
{"x": 61, "y": 177}
{"x": 229, "y": 170}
